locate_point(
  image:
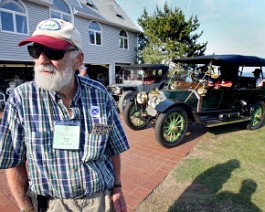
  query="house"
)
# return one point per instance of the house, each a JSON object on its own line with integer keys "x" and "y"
{"x": 109, "y": 36}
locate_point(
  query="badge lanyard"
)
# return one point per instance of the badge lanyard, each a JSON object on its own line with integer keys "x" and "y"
{"x": 66, "y": 133}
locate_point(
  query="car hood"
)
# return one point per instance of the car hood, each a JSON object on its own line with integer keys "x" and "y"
{"x": 128, "y": 84}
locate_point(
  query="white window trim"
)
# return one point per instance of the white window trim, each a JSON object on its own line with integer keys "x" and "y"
{"x": 124, "y": 38}
{"x": 94, "y": 32}
{"x": 15, "y": 23}
{"x": 62, "y": 12}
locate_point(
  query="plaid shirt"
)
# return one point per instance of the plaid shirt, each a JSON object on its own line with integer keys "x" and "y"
{"x": 27, "y": 132}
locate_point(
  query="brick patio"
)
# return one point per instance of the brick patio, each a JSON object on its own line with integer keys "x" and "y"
{"x": 144, "y": 166}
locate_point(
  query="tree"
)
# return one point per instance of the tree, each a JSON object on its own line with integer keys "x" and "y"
{"x": 169, "y": 35}
{"x": 142, "y": 42}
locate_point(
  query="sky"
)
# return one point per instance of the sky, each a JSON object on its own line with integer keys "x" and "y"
{"x": 229, "y": 26}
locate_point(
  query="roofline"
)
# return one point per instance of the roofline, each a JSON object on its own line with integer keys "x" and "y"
{"x": 86, "y": 15}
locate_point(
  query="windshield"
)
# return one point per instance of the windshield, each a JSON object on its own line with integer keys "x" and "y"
{"x": 184, "y": 76}
{"x": 132, "y": 74}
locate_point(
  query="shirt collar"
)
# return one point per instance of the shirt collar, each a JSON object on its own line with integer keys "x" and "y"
{"x": 56, "y": 97}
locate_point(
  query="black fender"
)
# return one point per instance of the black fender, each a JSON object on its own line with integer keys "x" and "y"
{"x": 163, "y": 106}
{"x": 261, "y": 98}
{"x": 255, "y": 99}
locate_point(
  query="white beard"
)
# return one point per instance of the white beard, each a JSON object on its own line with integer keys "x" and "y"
{"x": 55, "y": 80}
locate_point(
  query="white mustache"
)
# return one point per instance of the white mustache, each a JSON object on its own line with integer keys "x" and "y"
{"x": 53, "y": 81}
{"x": 45, "y": 68}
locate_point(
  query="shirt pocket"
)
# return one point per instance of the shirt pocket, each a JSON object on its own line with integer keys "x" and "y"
{"x": 94, "y": 146}
{"x": 39, "y": 146}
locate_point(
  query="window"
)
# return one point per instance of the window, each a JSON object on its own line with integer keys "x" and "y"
{"x": 61, "y": 10}
{"x": 123, "y": 39}
{"x": 94, "y": 33}
{"x": 89, "y": 3}
{"x": 13, "y": 17}
{"x": 117, "y": 13}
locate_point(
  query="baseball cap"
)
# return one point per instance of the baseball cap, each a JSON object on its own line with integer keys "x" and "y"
{"x": 82, "y": 67}
{"x": 55, "y": 33}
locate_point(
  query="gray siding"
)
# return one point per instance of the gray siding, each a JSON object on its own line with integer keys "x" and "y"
{"x": 9, "y": 50}
{"x": 108, "y": 53}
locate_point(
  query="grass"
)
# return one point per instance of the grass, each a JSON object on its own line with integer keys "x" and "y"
{"x": 224, "y": 172}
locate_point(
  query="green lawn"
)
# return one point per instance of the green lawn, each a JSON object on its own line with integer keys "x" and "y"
{"x": 224, "y": 172}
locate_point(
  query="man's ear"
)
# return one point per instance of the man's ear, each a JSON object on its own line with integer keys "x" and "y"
{"x": 79, "y": 60}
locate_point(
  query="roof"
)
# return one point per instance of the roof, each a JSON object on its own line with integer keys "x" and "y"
{"x": 227, "y": 59}
{"x": 106, "y": 11}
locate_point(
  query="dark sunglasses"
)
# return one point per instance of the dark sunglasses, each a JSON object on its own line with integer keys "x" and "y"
{"x": 35, "y": 51}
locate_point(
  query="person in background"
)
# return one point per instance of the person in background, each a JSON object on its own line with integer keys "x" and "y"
{"x": 83, "y": 72}
{"x": 259, "y": 80}
{"x": 60, "y": 135}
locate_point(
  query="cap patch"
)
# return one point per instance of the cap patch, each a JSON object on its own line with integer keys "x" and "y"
{"x": 51, "y": 25}
{"x": 56, "y": 34}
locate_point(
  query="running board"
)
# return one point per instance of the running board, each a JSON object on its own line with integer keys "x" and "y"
{"x": 214, "y": 123}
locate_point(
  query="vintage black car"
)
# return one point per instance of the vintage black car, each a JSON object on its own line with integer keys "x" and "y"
{"x": 209, "y": 90}
{"x": 137, "y": 77}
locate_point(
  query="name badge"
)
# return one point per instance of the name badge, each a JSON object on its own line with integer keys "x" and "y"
{"x": 66, "y": 135}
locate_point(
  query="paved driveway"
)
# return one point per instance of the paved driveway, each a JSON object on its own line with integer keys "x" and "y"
{"x": 144, "y": 166}
{"x": 147, "y": 163}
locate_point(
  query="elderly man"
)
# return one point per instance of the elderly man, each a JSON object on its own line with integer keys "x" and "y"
{"x": 60, "y": 136}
